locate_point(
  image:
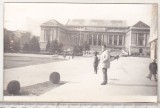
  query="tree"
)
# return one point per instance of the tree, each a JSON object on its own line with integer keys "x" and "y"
{"x": 48, "y": 46}
{"x": 11, "y": 41}
{"x": 34, "y": 45}
{"x": 86, "y": 47}
{"x": 54, "y": 46}
{"x": 26, "y": 47}
{"x": 8, "y": 40}
{"x": 16, "y": 44}
{"x": 60, "y": 47}
{"x": 77, "y": 49}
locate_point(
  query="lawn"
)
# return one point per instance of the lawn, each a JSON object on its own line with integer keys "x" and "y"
{"x": 21, "y": 61}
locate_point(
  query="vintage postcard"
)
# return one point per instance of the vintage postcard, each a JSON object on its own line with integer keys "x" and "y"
{"x": 70, "y": 52}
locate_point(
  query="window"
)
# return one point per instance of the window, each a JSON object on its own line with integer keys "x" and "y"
{"x": 141, "y": 39}
{"x": 94, "y": 39}
{"x": 99, "y": 39}
{"x": 90, "y": 39}
{"x": 110, "y": 39}
{"x": 120, "y": 39}
{"x": 115, "y": 39}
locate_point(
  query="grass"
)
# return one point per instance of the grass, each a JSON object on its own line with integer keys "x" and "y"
{"x": 18, "y": 61}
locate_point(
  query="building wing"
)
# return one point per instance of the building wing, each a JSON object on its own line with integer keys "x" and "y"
{"x": 96, "y": 23}
{"x": 52, "y": 23}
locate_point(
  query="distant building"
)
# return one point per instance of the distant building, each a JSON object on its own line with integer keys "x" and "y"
{"x": 114, "y": 33}
{"x": 24, "y": 37}
{"x": 136, "y": 41}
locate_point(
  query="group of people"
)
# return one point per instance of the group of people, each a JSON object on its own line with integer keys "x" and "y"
{"x": 70, "y": 55}
{"x": 105, "y": 60}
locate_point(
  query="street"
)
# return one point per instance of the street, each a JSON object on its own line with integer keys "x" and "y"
{"x": 127, "y": 77}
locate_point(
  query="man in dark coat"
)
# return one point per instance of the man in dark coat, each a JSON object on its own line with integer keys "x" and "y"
{"x": 153, "y": 70}
{"x": 95, "y": 63}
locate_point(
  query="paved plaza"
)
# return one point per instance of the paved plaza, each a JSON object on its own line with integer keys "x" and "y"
{"x": 127, "y": 77}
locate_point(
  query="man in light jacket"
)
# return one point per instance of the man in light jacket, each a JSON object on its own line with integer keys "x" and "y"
{"x": 105, "y": 63}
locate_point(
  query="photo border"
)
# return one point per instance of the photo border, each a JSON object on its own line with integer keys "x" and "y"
{"x": 70, "y": 2}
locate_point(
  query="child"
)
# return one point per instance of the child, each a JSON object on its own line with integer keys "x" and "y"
{"x": 95, "y": 63}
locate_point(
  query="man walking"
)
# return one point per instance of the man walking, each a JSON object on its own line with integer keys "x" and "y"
{"x": 153, "y": 70}
{"x": 105, "y": 63}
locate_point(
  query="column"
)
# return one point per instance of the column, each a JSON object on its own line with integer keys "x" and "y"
{"x": 97, "y": 39}
{"x": 55, "y": 34}
{"x": 87, "y": 38}
{"x": 112, "y": 39}
{"x": 92, "y": 39}
{"x": 108, "y": 39}
{"x": 123, "y": 40}
{"x": 80, "y": 39}
{"x": 145, "y": 39}
{"x": 137, "y": 39}
{"x": 102, "y": 40}
{"x": 105, "y": 39}
{"x": 51, "y": 36}
{"x": 44, "y": 35}
{"x": 118, "y": 40}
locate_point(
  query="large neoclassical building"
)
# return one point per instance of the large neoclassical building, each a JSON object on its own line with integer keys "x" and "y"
{"x": 114, "y": 33}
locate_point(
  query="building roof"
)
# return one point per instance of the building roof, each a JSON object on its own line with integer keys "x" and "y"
{"x": 141, "y": 24}
{"x": 96, "y": 23}
{"x": 52, "y": 22}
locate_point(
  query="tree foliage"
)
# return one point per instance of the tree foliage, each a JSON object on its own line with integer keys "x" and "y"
{"x": 34, "y": 45}
{"x": 54, "y": 47}
{"x": 11, "y": 41}
{"x": 86, "y": 46}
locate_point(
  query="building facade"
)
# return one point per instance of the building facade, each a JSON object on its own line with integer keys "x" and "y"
{"x": 137, "y": 38}
{"x": 114, "y": 33}
{"x": 153, "y": 39}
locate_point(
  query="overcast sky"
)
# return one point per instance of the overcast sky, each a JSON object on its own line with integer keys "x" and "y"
{"x": 29, "y": 16}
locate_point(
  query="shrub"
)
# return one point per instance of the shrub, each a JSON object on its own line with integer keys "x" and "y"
{"x": 13, "y": 87}
{"x": 54, "y": 77}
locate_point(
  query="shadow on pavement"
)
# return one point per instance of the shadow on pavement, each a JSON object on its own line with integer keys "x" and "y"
{"x": 36, "y": 89}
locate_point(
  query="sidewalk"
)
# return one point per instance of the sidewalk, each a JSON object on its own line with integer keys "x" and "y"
{"x": 127, "y": 77}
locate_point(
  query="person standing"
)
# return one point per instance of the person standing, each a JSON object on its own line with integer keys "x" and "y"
{"x": 105, "y": 63}
{"x": 64, "y": 55}
{"x": 95, "y": 63}
{"x": 153, "y": 70}
{"x": 72, "y": 55}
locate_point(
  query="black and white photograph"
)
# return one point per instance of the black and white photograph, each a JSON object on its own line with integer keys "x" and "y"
{"x": 70, "y": 52}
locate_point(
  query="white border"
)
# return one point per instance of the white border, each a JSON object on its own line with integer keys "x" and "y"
{"x": 71, "y": 1}
{"x": 1, "y": 50}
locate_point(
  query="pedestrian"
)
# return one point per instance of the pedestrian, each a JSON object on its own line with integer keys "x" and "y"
{"x": 72, "y": 54}
{"x": 116, "y": 57}
{"x": 64, "y": 55}
{"x": 105, "y": 63}
{"x": 95, "y": 63}
{"x": 153, "y": 70}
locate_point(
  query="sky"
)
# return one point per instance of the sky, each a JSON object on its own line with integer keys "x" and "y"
{"x": 29, "y": 16}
